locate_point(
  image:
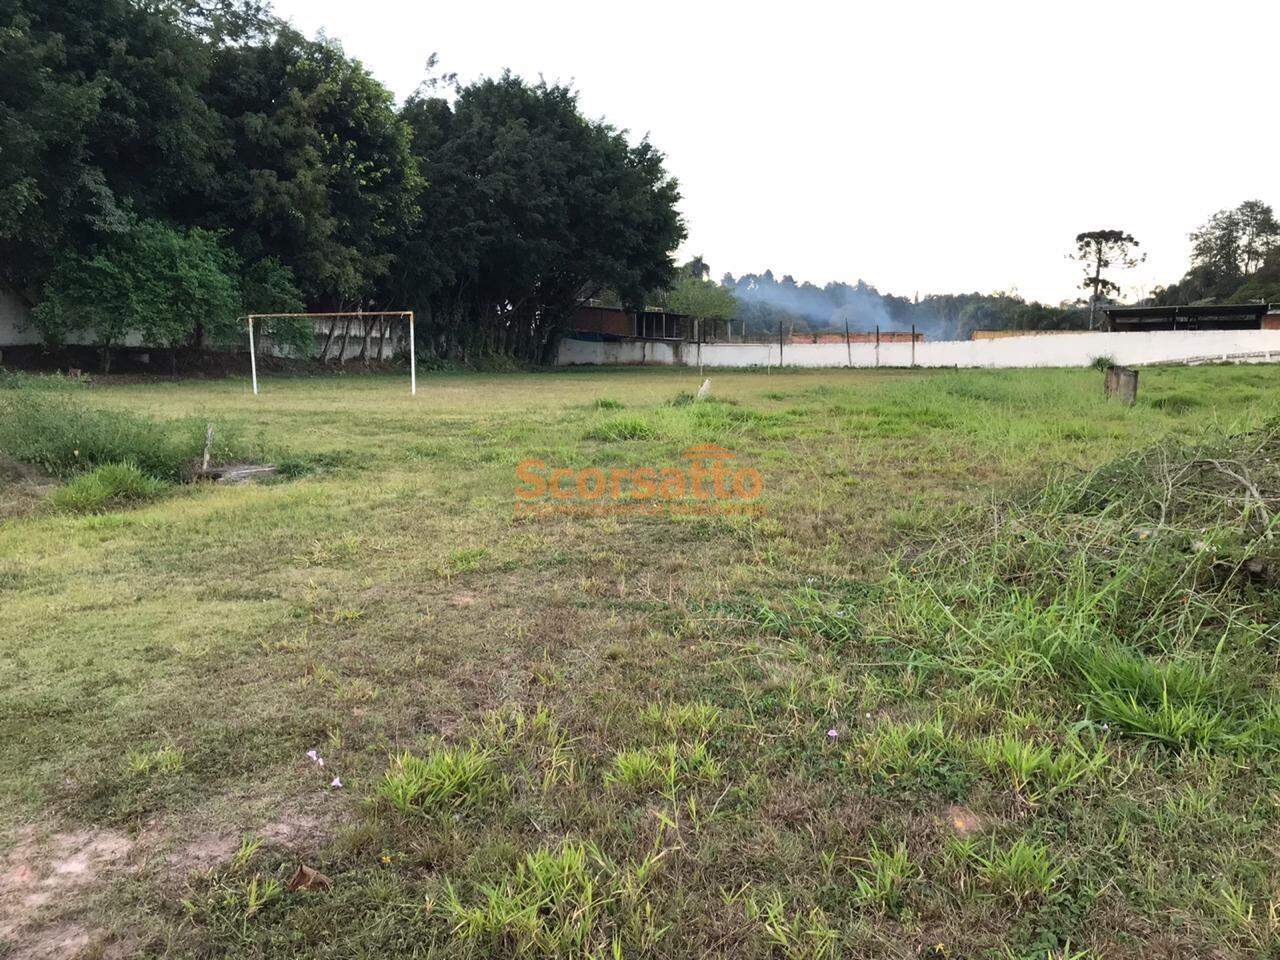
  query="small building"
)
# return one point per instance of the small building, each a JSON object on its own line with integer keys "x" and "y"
{"x": 594, "y": 321}
{"x": 1225, "y": 316}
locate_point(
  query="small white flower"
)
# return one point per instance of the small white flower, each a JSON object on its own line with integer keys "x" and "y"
{"x": 337, "y": 782}
{"x": 315, "y": 757}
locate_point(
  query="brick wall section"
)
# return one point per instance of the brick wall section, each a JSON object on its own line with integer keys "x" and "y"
{"x": 886, "y": 336}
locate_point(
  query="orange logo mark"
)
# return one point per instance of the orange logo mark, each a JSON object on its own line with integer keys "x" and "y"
{"x": 709, "y": 484}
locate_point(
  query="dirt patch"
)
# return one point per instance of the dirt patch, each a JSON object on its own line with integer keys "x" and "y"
{"x": 15, "y": 471}
{"x": 204, "y": 852}
{"x": 297, "y": 832}
{"x": 23, "y": 488}
{"x": 44, "y": 875}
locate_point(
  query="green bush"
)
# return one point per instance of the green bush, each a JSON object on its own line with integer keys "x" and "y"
{"x": 65, "y": 437}
{"x": 108, "y": 487}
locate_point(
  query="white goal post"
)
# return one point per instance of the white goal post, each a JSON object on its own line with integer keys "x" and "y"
{"x": 360, "y": 314}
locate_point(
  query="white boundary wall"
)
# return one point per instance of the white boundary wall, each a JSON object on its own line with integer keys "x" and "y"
{"x": 1073, "y": 350}
{"x": 619, "y": 351}
{"x": 14, "y": 328}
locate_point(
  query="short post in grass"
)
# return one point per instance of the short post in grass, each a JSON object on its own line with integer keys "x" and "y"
{"x": 913, "y": 344}
{"x": 877, "y": 344}
{"x": 208, "y": 449}
{"x": 697, "y": 335}
{"x": 848, "y": 347}
{"x": 779, "y": 344}
{"x": 1121, "y": 383}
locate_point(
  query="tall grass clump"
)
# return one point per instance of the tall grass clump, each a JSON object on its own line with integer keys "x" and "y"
{"x": 108, "y": 487}
{"x": 441, "y": 782}
{"x": 571, "y": 901}
{"x": 1143, "y": 594}
{"x": 64, "y": 436}
{"x": 622, "y": 427}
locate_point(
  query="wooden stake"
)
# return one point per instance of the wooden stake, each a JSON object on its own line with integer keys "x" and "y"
{"x": 208, "y": 448}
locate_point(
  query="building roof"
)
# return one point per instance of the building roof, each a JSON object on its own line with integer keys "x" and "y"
{"x": 1158, "y": 314}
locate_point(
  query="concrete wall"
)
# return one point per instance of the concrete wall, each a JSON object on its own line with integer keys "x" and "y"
{"x": 619, "y": 352}
{"x": 1076, "y": 350}
{"x": 14, "y": 328}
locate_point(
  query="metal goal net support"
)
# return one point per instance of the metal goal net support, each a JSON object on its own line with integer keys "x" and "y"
{"x": 365, "y": 316}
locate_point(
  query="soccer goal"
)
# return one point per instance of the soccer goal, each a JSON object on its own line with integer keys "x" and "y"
{"x": 363, "y": 316}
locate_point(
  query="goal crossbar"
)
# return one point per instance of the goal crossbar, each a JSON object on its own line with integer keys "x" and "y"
{"x": 253, "y": 353}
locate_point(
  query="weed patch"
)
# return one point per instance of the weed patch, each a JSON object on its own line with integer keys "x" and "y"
{"x": 622, "y": 427}
{"x": 109, "y": 487}
{"x": 65, "y": 437}
{"x": 563, "y": 902}
{"x": 443, "y": 781}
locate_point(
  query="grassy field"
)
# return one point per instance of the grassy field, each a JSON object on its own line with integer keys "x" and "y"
{"x": 951, "y": 695}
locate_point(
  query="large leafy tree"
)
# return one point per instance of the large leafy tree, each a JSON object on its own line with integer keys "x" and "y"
{"x": 1232, "y": 254}
{"x": 318, "y": 171}
{"x": 100, "y": 113}
{"x": 1234, "y": 243}
{"x": 531, "y": 209}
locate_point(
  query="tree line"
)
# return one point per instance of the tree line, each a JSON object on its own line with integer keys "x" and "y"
{"x": 1235, "y": 258}
{"x": 170, "y": 166}
{"x": 764, "y": 305}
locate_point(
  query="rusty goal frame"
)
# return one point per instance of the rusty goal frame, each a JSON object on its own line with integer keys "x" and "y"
{"x": 403, "y": 314}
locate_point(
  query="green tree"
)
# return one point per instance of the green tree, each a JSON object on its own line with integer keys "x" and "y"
{"x": 700, "y": 299}
{"x": 1233, "y": 243}
{"x": 1263, "y": 284}
{"x": 531, "y": 210}
{"x": 100, "y": 112}
{"x": 1228, "y": 252}
{"x": 1098, "y": 251}
{"x": 318, "y": 171}
{"x": 151, "y": 283}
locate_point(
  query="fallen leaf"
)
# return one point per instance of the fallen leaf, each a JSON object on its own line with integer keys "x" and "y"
{"x": 305, "y": 878}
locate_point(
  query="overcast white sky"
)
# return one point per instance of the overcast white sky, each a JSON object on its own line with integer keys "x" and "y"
{"x": 930, "y": 147}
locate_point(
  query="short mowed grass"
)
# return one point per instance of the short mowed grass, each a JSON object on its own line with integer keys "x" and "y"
{"x": 993, "y": 673}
